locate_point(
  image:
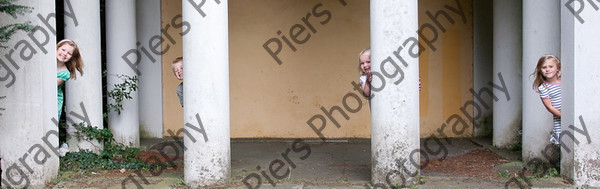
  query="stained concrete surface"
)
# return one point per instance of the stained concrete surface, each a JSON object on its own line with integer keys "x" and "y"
{"x": 335, "y": 164}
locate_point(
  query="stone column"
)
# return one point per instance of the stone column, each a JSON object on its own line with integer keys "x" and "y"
{"x": 206, "y": 91}
{"x": 84, "y": 94}
{"x": 541, "y": 35}
{"x": 149, "y": 36}
{"x": 28, "y": 136}
{"x": 507, "y": 62}
{"x": 482, "y": 62}
{"x": 122, "y": 58}
{"x": 580, "y": 112}
{"x": 395, "y": 95}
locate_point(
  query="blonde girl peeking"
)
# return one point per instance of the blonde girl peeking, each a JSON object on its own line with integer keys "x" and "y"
{"x": 68, "y": 60}
{"x": 364, "y": 68}
{"x": 547, "y": 83}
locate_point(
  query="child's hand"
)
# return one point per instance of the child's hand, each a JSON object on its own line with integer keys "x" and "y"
{"x": 369, "y": 77}
{"x": 180, "y": 74}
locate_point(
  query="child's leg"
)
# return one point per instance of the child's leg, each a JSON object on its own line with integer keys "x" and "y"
{"x": 556, "y": 131}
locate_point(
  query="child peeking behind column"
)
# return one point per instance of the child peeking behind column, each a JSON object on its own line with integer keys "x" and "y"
{"x": 177, "y": 66}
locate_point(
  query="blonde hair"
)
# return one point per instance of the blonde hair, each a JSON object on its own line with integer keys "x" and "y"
{"x": 75, "y": 63}
{"x": 366, "y": 51}
{"x": 537, "y": 73}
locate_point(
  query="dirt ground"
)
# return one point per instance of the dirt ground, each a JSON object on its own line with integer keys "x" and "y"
{"x": 478, "y": 164}
{"x": 475, "y": 169}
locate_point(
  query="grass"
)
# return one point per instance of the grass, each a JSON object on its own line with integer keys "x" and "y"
{"x": 66, "y": 176}
{"x": 504, "y": 174}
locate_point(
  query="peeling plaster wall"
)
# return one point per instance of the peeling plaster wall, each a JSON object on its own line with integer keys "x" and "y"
{"x": 579, "y": 51}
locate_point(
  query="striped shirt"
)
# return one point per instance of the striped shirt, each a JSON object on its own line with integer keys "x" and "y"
{"x": 551, "y": 91}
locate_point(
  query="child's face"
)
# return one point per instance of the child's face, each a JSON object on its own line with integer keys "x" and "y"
{"x": 178, "y": 69}
{"x": 550, "y": 69}
{"x": 365, "y": 63}
{"x": 64, "y": 53}
{"x": 178, "y": 65}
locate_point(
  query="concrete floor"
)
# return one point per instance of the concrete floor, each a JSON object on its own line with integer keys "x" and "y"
{"x": 335, "y": 164}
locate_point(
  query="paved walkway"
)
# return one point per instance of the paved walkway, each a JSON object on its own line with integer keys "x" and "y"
{"x": 336, "y": 164}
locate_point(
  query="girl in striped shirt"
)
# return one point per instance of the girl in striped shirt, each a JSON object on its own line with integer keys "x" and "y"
{"x": 547, "y": 84}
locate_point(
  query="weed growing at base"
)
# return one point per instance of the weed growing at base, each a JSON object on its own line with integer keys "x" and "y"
{"x": 113, "y": 155}
{"x": 537, "y": 164}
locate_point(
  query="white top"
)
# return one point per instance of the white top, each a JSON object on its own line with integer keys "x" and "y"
{"x": 363, "y": 79}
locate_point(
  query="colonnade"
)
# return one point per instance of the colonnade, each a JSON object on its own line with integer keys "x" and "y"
{"x": 522, "y": 32}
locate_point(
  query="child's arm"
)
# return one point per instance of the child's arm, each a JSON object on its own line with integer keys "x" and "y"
{"x": 366, "y": 89}
{"x": 551, "y": 108}
{"x": 59, "y": 82}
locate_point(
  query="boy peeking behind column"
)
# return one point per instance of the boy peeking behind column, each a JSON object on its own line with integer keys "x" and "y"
{"x": 177, "y": 66}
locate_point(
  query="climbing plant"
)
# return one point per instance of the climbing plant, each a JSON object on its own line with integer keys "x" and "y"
{"x": 112, "y": 156}
{"x": 7, "y": 31}
{"x": 121, "y": 92}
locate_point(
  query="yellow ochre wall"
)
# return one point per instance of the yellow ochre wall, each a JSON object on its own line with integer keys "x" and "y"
{"x": 172, "y": 110}
{"x": 269, "y": 100}
{"x": 446, "y": 73}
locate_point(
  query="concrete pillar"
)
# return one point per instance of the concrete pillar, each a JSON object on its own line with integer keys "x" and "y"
{"x": 580, "y": 113}
{"x": 483, "y": 57}
{"x": 567, "y": 52}
{"x": 206, "y": 90}
{"x": 150, "y": 91}
{"x": 507, "y": 62}
{"x": 395, "y": 96}
{"x": 121, "y": 56}
{"x": 84, "y": 94}
{"x": 541, "y": 35}
{"x": 28, "y": 82}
